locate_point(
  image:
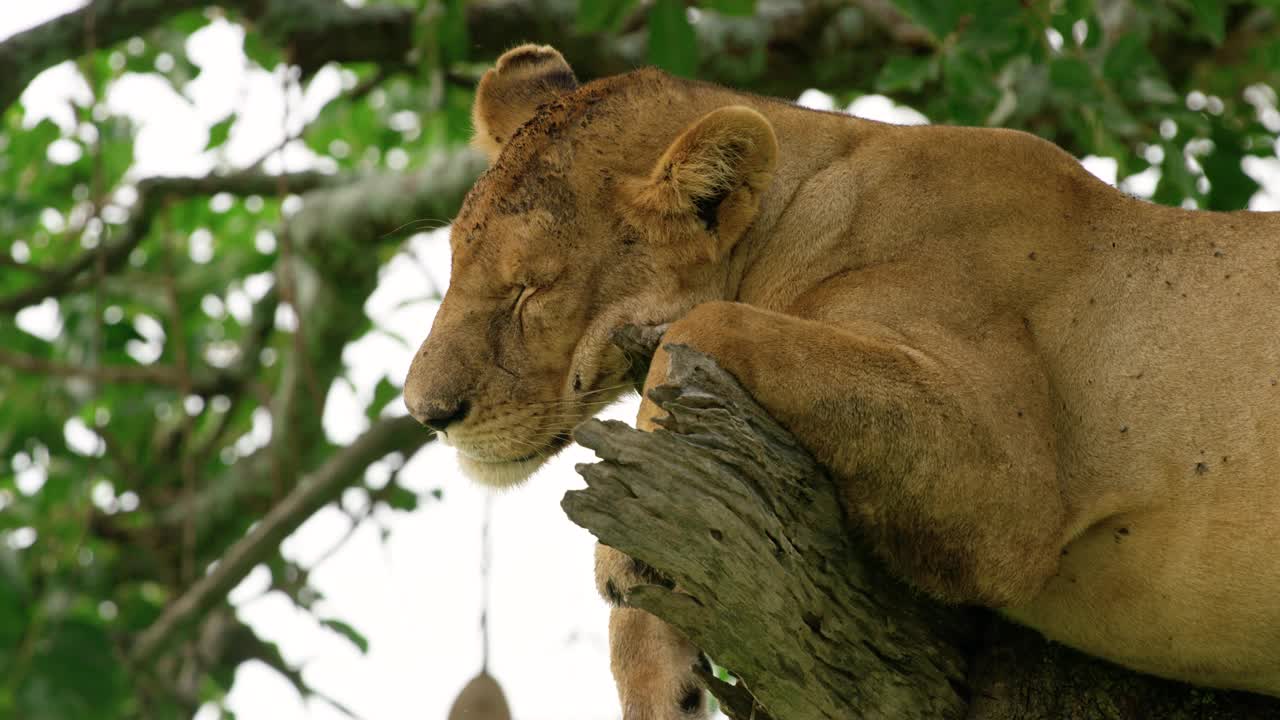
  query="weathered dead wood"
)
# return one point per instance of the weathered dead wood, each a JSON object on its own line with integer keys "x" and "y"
{"x": 778, "y": 588}
{"x": 750, "y": 527}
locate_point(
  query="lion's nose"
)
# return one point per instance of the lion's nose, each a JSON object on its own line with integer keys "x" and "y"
{"x": 439, "y": 416}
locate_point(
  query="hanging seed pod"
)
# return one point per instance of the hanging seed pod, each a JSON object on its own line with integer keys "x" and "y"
{"x": 480, "y": 699}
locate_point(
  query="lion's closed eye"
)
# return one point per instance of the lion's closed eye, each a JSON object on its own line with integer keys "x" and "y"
{"x": 517, "y": 308}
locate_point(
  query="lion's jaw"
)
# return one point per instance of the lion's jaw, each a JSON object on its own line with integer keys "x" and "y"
{"x": 501, "y": 474}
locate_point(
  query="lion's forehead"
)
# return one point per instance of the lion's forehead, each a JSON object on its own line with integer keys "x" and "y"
{"x": 537, "y": 165}
{"x": 541, "y": 207}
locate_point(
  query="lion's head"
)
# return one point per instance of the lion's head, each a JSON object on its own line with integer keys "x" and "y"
{"x": 611, "y": 203}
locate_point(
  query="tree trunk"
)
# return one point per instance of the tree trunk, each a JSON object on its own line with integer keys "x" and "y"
{"x": 777, "y": 587}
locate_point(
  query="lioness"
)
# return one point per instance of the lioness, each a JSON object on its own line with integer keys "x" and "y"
{"x": 1040, "y": 395}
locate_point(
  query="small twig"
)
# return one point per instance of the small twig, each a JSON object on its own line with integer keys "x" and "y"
{"x": 127, "y": 467}
{"x": 358, "y": 519}
{"x": 357, "y": 92}
{"x": 285, "y": 270}
{"x": 457, "y": 79}
{"x": 177, "y": 336}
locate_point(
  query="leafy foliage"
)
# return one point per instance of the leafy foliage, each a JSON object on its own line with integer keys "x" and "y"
{"x": 167, "y": 412}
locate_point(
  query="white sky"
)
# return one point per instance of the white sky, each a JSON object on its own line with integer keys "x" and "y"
{"x": 416, "y": 595}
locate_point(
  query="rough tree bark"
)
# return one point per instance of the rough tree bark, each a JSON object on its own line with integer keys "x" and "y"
{"x": 778, "y": 589}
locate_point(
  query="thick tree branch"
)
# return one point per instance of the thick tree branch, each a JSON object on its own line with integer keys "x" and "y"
{"x": 314, "y": 491}
{"x": 26, "y": 54}
{"x": 323, "y": 31}
{"x": 786, "y": 48}
{"x": 779, "y": 590}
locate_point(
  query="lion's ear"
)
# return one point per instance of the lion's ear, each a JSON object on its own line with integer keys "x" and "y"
{"x": 714, "y": 174}
{"x": 524, "y": 78}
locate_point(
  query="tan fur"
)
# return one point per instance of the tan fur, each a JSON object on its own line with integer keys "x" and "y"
{"x": 524, "y": 78}
{"x": 1041, "y": 395}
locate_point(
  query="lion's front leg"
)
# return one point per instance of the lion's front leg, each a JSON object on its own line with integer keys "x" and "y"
{"x": 944, "y": 446}
{"x": 652, "y": 663}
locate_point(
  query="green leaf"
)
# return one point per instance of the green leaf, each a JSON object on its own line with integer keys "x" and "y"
{"x": 1093, "y": 38}
{"x": 1267, "y": 55}
{"x": 13, "y": 611}
{"x": 1211, "y": 18}
{"x": 261, "y": 51}
{"x": 971, "y": 92}
{"x": 1176, "y": 181}
{"x": 906, "y": 72}
{"x": 383, "y": 393}
{"x": 939, "y": 17}
{"x": 75, "y": 673}
{"x": 1071, "y": 75}
{"x": 730, "y": 7}
{"x": 1230, "y": 188}
{"x": 345, "y": 630}
{"x": 219, "y": 132}
{"x": 454, "y": 37}
{"x": 1125, "y": 58}
{"x": 602, "y": 15}
{"x": 399, "y": 497}
{"x": 673, "y": 45}
{"x": 1077, "y": 9}
{"x": 188, "y": 22}
{"x": 992, "y": 25}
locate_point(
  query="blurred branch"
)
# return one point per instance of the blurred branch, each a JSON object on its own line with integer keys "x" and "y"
{"x": 204, "y": 381}
{"x": 348, "y": 33}
{"x": 287, "y": 279}
{"x": 154, "y": 374}
{"x": 317, "y": 489}
{"x": 107, "y": 256}
{"x": 152, "y": 193}
{"x": 247, "y": 182}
